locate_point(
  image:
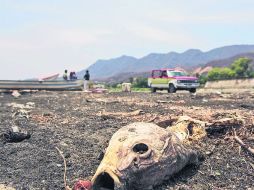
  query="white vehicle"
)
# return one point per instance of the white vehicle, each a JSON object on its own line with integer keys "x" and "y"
{"x": 172, "y": 80}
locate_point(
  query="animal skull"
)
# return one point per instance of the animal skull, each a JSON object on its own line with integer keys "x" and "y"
{"x": 142, "y": 155}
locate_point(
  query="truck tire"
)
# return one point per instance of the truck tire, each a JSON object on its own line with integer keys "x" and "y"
{"x": 192, "y": 90}
{"x": 171, "y": 88}
{"x": 153, "y": 90}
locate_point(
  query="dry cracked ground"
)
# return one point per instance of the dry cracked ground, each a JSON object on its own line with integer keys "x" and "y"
{"x": 81, "y": 124}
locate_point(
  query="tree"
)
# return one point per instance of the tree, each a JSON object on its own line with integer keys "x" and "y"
{"x": 140, "y": 82}
{"x": 131, "y": 79}
{"x": 251, "y": 74}
{"x": 221, "y": 73}
{"x": 214, "y": 74}
{"x": 242, "y": 67}
{"x": 227, "y": 73}
{"x": 202, "y": 79}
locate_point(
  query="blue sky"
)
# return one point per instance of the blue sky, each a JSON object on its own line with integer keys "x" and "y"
{"x": 43, "y": 37}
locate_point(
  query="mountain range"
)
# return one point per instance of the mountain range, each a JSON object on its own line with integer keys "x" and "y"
{"x": 189, "y": 60}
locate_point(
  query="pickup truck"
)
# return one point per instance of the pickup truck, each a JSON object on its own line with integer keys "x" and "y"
{"x": 172, "y": 80}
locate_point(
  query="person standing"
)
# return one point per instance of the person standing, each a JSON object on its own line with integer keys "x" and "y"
{"x": 74, "y": 76}
{"x": 65, "y": 76}
{"x": 86, "y": 79}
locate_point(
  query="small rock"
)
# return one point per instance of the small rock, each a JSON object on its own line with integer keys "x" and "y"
{"x": 65, "y": 121}
{"x": 63, "y": 144}
{"x": 218, "y": 92}
{"x": 208, "y": 153}
{"x": 217, "y": 173}
{"x": 15, "y": 129}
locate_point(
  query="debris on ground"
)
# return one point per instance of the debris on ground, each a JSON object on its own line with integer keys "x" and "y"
{"x": 16, "y": 94}
{"x": 122, "y": 114}
{"x": 99, "y": 90}
{"x": 246, "y": 147}
{"x": 15, "y": 135}
{"x": 28, "y": 105}
{"x": 82, "y": 184}
{"x": 247, "y": 106}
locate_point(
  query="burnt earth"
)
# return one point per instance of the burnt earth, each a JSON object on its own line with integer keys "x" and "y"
{"x": 77, "y": 123}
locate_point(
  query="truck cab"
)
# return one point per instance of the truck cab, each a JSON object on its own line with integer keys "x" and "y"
{"x": 172, "y": 80}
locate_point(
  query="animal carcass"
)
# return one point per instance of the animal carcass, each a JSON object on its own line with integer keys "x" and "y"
{"x": 142, "y": 155}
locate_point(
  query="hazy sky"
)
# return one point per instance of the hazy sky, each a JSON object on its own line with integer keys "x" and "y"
{"x": 40, "y": 37}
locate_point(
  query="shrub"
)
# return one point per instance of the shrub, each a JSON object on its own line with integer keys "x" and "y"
{"x": 140, "y": 82}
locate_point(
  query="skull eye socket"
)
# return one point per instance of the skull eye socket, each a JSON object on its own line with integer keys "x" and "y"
{"x": 140, "y": 148}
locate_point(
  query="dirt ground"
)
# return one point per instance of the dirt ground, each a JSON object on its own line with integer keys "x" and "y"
{"x": 80, "y": 125}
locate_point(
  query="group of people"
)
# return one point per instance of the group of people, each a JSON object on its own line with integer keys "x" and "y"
{"x": 73, "y": 76}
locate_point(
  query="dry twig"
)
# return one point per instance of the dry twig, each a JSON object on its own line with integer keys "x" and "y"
{"x": 152, "y": 120}
{"x": 65, "y": 179}
{"x": 123, "y": 114}
{"x": 238, "y": 140}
